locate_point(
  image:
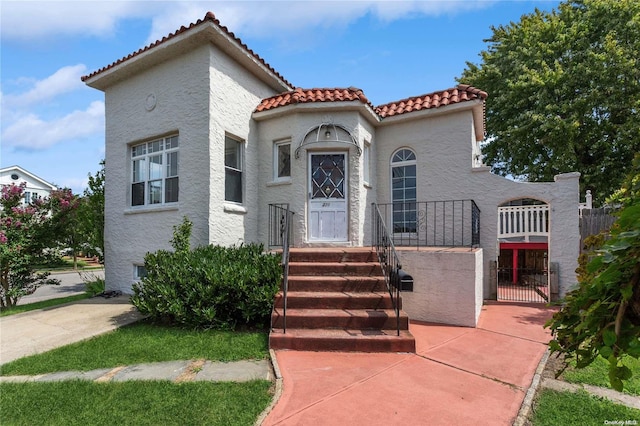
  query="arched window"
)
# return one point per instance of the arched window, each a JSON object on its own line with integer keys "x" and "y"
{"x": 403, "y": 191}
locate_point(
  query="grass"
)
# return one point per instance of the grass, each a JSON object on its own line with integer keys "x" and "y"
{"x": 76, "y": 402}
{"x": 141, "y": 343}
{"x": 133, "y": 403}
{"x": 41, "y": 305}
{"x": 565, "y": 408}
{"x": 597, "y": 374}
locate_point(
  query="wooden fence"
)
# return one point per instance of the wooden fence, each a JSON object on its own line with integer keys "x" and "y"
{"x": 594, "y": 221}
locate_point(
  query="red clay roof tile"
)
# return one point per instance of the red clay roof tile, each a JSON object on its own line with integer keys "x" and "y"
{"x": 461, "y": 93}
{"x": 301, "y": 96}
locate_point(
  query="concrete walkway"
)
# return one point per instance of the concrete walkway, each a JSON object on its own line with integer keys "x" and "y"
{"x": 470, "y": 376}
{"x": 175, "y": 371}
{"x": 45, "y": 329}
{"x": 457, "y": 375}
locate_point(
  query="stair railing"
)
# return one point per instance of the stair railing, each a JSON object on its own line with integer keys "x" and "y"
{"x": 388, "y": 259}
{"x": 280, "y": 224}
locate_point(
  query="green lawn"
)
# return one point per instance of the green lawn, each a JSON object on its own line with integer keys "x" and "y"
{"x": 141, "y": 343}
{"x": 78, "y": 402}
{"x": 42, "y": 304}
{"x": 133, "y": 403}
{"x": 554, "y": 408}
{"x": 597, "y": 374}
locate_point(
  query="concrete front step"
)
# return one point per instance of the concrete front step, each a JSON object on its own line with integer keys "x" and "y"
{"x": 335, "y": 300}
{"x": 333, "y": 255}
{"x": 381, "y": 319}
{"x": 336, "y": 283}
{"x": 345, "y": 340}
{"x": 364, "y": 269}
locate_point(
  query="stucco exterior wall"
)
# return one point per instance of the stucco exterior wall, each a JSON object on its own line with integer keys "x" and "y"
{"x": 443, "y": 146}
{"x": 200, "y": 96}
{"x": 293, "y": 127}
{"x": 447, "y": 285}
{"x": 234, "y": 94}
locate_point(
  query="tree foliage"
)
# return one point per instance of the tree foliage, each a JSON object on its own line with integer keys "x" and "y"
{"x": 564, "y": 93}
{"x": 602, "y": 316}
{"x": 91, "y": 215}
{"x": 28, "y": 232}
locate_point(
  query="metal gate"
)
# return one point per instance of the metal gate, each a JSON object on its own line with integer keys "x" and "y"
{"x": 525, "y": 279}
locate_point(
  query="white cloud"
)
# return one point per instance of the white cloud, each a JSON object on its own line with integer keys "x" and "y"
{"x": 64, "y": 80}
{"x": 34, "y": 20}
{"x": 29, "y": 20}
{"x": 30, "y": 132}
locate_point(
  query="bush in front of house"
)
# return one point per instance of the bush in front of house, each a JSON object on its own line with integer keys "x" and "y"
{"x": 208, "y": 286}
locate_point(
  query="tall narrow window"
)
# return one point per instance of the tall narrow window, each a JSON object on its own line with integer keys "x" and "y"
{"x": 154, "y": 172}
{"x": 282, "y": 160}
{"x": 403, "y": 191}
{"x": 366, "y": 154}
{"x": 233, "y": 170}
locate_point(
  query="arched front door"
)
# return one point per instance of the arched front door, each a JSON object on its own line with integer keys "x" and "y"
{"x": 327, "y": 196}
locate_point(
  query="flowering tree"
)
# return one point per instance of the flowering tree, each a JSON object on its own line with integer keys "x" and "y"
{"x": 26, "y": 232}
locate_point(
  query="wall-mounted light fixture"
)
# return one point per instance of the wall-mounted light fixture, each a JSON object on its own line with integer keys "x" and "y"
{"x": 327, "y": 134}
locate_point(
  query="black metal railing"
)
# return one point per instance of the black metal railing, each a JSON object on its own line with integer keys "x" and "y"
{"x": 451, "y": 223}
{"x": 279, "y": 236}
{"x": 388, "y": 259}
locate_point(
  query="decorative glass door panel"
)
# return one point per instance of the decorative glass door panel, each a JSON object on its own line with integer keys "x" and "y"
{"x": 327, "y": 197}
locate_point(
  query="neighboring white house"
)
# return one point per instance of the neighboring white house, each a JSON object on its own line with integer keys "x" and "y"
{"x": 198, "y": 125}
{"x": 35, "y": 187}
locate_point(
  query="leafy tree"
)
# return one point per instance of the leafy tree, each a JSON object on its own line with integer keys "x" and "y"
{"x": 91, "y": 214}
{"x": 564, "y": 93}
{"x": 602, "y": 316}
{"x": 28, "y": 233}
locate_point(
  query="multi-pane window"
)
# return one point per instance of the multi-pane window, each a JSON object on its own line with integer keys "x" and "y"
{"x": 233, "y": 170}
{"x": 154, "y": 172}
{"x": 403, "y": 191}
{"x": 282, "y": 160}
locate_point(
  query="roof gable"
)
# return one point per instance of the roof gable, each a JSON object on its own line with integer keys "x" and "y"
{"x": 202, "y": 31}
{"x": 24, "y": 175}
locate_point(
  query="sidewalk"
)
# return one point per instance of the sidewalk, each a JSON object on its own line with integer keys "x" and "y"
{"x": 458, "y": 375}
{"x": 45, "y": 329}
{"x": 471, "y": 376}
{"x": 175, "y": 371}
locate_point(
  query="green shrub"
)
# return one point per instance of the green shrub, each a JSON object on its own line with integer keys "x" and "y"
{"x": 209, "y": 286}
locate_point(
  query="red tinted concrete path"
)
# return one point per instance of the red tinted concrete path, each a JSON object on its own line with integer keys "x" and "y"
{"x": 470, "y": 376}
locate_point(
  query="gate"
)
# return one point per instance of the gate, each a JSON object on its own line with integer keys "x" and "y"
{"x": 524, "y": 278}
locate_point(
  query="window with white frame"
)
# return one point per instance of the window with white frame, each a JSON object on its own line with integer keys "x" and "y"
{"x": 233, "y": 169}
{"x": 154, "y": 174}
{"x": 139, "y": 272}
{"x": 366, "y": 158}
{"x": 403, "y": 191}
{"x": 282, "y": 160}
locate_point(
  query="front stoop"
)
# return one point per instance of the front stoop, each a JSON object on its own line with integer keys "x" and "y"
{"x": 338, "y": 301}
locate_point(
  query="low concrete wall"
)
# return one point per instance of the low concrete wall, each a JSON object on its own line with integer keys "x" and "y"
{"x": 448, "y": 285}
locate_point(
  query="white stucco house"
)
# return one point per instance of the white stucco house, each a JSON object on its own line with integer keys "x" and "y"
{"x": 199, "y": 125}
{"x": 35, "y": 187}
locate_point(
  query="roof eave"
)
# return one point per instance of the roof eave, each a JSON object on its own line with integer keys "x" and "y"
{"x": 476, "y": 106}
{"x": 205, "y": 32}
{"x": 354, "y": 105}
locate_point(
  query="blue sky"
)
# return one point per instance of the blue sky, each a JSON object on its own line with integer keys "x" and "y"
{"x": 53, "y": 125}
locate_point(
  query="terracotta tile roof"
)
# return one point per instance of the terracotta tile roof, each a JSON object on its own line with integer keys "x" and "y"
{"x": 209, "y": 17}
{"x": 301, "y": 96}
{"x": 461, "y": 93}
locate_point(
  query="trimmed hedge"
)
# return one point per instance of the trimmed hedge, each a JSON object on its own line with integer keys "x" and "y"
{"x": 209, "y": 286}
